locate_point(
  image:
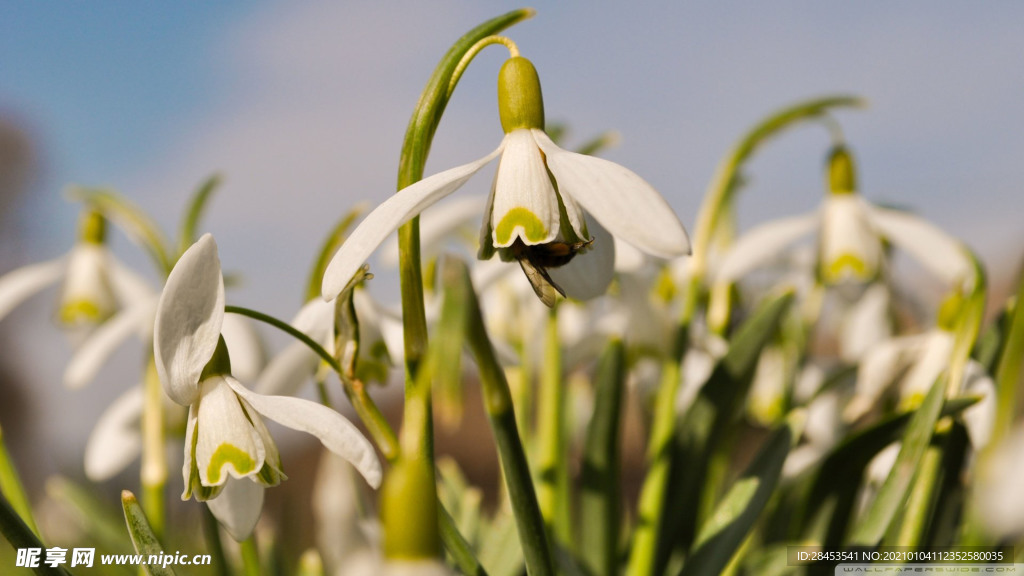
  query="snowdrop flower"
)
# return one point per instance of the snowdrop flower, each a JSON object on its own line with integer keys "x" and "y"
{"x": 850, "y": 237}
{"x": 538, "y": 209}
{"x": 998, "y": 493}
{"x": 94, "y": 284}
{"x": 225, "y": 436}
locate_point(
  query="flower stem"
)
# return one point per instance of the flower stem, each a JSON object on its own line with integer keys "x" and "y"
{"x": 552, "y": 460}
{"x": 250, "y": 556}
{"x": 153, "y": 471}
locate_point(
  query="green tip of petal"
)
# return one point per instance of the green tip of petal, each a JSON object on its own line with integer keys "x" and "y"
{"x": 532, "y": 230}
{"x": 74, "y": 312}
{"x": 228, "y": 454}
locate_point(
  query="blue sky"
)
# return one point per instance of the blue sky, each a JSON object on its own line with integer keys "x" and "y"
{"x": 302, "y": 106}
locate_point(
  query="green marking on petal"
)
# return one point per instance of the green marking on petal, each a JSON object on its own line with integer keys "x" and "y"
{"x": 533, "y": 230}
{"x": 229, "y": 454}
{"x": 82, "y": 311}
{"x": 847, "y": 261}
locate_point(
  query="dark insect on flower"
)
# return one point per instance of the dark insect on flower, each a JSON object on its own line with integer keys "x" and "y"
{"x": 536, "y": 259}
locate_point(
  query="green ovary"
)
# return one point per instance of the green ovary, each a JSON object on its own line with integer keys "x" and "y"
{"x": 229, "y": 454}
{"x": 533, "y": 230}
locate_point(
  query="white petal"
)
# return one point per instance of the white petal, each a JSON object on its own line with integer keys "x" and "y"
{"x": 934, "y": 358}
{"x": 227, "y": 443}
{"x": 939, "y": 252}
{"x": 980, "y": 418}
{"x": 244, "y": 346}
{"x": 1000, "y": 499}
{"x": 879, "y": 368}
{"x": 129, "y": 286}
{"x": 116, "y": 440}
{"x": 238, "y": 507}
{"x": 415, "y": 568}
{"x": 386, "y": 218}
{"x": 316, "y": 319}
{"x": 18, "y": 285}
{"x": 763, "y": 243}
{"x": 866, "y": 323}
{"x": 187, "y": 465}
{"x": 525, "y": 204}
{"x": 588, "y": 274}
{"x": 288, "y": 371}
{"x": 619, "y": 199}
{"x": 188, "y": 320}
{"x": 101, "y": 344}
{"x": 850, "y": 247}
{"x": 335, "y": 432}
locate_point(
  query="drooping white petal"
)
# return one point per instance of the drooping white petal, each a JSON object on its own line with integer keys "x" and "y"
{"x": 238, "y": 507}
{"x": 457, "y": 218}
{"x": 226, "y": 443}
{"x": 980, "y": 418}
{"x": 619, "y": 199}
{"x": 387, "y": 217}
{"x": 272, "y": 459}
{"x": 524, "y": 203}
{"x": 866, "y": 323}
{"x": 244, "y": 346}
{"x": 115, "y": 441}
{"x": 763, "y": 243}
{"x": 188, "y": 320}
{"x": 939, "y": 252}
{"x": 588, "y": 274}
{"x": 101, "y": 344}
{"x": 335, "y": 432}
{"x": 881, "y": 365}
{"x": 18, "y": 285}
{"x": 1000, "y": 499}
{"x": 129, "y": 287}
{"x": 850, "y": 247}
{"x": 316, "y": 319}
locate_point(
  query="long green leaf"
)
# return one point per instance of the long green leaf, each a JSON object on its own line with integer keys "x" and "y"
{"x": 894, "y": 492}
{"x": 195, "y": 210}
{"x": 143, "y": 538}
{"x": 11, "y": 487}
{"x": 600, "y": 499}
{"x": 727, "y": 528}
{"x": 20, "y": 536}
{"x": 498, "y": 404}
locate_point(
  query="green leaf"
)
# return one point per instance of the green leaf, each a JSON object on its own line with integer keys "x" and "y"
{"x": 727, "y": 528}
{"x": 11, "y": 487}
{"x": 20, "y": 536}
{"x": 498, "y": 405}
{"x": 447, "y": 350}
{"x": 137, "y": 225}
{"x": 893, "y": 495}
{"x": 1007, "y": 374}
{"x": 714, "y": 412}
{"x": 600, "y": 499}
{"x": 196, "y": 207}
{"x": 143, "y": 539}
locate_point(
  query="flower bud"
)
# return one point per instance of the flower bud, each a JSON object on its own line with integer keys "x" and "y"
{"x": 520, "y": 104}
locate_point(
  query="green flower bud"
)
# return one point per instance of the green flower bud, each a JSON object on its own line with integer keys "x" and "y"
{"x": 520, "y": 104}
{"x": 842, "y": 175}
{"x": 92, "y": 227}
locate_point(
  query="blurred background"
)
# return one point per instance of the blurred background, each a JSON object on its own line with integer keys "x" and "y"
{"x": 302, "y": 107}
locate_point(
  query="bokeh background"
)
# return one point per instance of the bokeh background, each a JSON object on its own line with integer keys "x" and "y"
{"x": 302, "y": 107}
